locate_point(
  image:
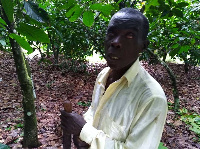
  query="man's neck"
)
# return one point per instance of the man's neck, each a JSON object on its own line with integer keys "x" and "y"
{"x": 116, "y": 75}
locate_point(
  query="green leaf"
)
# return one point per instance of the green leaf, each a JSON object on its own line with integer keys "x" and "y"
{"x": 76, "y": 14}
{"x": 151, "y": 3}
{"x": 2, "y": 26}
{"x": 23, "y": 43}
{"x": 193, "y": 41}
{"x": 35, "y": 12}
{"x": 8, "y": 8}
{"x": 184, "y": 49}
{"x": 175, "y": 46}
{"x": 161, "y": 146}
{"x": 3, "y": 146}
{"x": 105, "y": 9}
{"x": 177, "y": 12}
{"x": 33, "y": 33}
{"x": 96, "y": 6}
{"x": 2, "y": 21}
{"x": 165, "y": 12}
{"x": 182, "y": 4}
{"x": 119, "y": 1}
{"x": 67, "y": 5}
{"x": 173, "y": 52}
{"x": 71, "y": 11}
{"x": 32, "y": 21}
{"x": 88, "y": 18}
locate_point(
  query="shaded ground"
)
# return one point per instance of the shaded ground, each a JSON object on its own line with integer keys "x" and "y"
{"x": 53, "y": 86}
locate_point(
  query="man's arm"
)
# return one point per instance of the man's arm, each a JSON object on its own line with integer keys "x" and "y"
{"x": 145, "y": 131}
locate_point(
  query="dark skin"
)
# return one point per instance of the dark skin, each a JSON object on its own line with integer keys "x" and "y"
{"x": 72, "y": 123}
{"x": 123, "y": 44}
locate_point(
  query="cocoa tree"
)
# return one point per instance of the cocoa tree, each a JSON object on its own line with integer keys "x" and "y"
{"x": 9, "y": 22}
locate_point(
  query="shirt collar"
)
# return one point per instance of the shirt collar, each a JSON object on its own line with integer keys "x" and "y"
{"x": 132, "y": 71}
{"x": 104, "y": 76}
{"x": 129, "y": 75}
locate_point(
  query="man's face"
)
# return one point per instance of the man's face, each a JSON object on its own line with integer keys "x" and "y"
{"x": 123, "y": 41}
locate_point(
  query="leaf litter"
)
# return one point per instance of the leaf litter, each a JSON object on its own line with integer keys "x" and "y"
{"x": 54, "y": 85}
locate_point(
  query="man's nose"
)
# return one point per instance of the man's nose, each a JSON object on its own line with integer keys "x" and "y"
{"x": 116, "y": 42}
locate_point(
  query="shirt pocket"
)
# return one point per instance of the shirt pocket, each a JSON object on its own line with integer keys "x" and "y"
{"x": 111, "y": 128}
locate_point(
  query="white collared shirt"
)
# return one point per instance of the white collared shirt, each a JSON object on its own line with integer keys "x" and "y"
{"x": 130, "y": 114}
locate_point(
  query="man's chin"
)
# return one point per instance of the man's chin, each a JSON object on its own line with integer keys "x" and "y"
{"x": 113, "y": 66}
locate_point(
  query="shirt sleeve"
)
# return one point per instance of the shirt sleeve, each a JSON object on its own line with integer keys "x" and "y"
{"x": 145, "y": 130}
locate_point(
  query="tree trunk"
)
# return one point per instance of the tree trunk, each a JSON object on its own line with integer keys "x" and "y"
{"x": 30, "y": 138}
{"x": 175, "y": 89}
{"x": 173, "y": 80}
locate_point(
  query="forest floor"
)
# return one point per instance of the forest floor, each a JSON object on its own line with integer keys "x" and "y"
{"x": 54, "y": 85}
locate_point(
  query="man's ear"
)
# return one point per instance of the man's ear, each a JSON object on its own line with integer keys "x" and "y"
{"x": 144, "y": 45}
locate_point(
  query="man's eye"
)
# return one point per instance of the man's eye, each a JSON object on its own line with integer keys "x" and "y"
{"x": 130, "y": 35}
{"x": 110, "y": 35}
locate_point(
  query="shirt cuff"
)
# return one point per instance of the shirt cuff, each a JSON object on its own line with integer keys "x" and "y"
{"x": 88, "y": 133}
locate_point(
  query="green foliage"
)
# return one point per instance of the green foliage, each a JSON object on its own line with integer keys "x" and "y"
{"x": 76, "y": 14}
{"x": 88, "y": 10}
{"x": 33, "y": 33}
{"x": 170, "y": 105}
{"x": 151, "y": 3}
{"x": 68, "y": 29}
{"x": 174, "y": 31}
{"x": 77, "y": 28}
{"x": 35, "y": 12}
{"x": 191, "y": 119}
{"x": 161, "y": 146}
{"x": 88, "y": 18}
{"x": 106, "y": 9}
{"x": 8, "y": 8}
{"x": 20, "y": 125}
{"x": 3, "y": 146}
{"x": 9, "y": 128}
{"x": 83, "y": 103}
{"x": 23, "y": 43}
{"x": 2, "y": 22}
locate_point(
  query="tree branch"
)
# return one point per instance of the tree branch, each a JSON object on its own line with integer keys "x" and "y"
{"x": 173, "y": 80}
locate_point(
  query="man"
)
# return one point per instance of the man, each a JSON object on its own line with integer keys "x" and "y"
{"x": 129, "y": 107}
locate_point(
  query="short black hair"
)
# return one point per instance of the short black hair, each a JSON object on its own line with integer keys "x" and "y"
{"x": 145, "y": 22}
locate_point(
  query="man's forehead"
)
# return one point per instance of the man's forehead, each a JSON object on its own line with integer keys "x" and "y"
{"x": 126, "y": 15}
{"x": 125, "y": 21}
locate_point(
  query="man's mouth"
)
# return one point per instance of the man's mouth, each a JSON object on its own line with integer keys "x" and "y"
{"x": 114, "y": 57}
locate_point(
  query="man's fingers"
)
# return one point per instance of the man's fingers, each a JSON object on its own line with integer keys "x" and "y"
{"x": 64, "y": 113}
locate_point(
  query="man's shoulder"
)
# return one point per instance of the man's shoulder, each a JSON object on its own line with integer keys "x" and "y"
{"x": 103, "y": 71}
{"x": 148, "y": 84}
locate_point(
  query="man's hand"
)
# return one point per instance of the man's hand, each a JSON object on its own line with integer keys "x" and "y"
{"x": 79, "y": 143}
{"x": 72, "y": 123}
